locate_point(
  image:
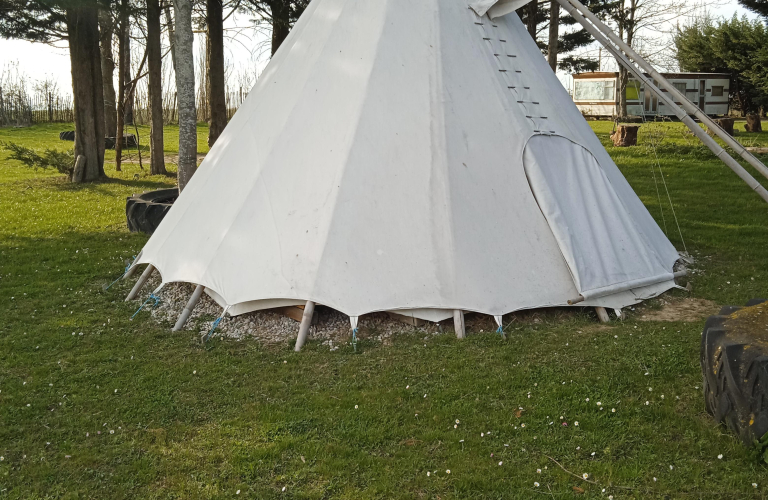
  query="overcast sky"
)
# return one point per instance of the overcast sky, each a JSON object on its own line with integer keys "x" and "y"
{"x": 40, "y": 61}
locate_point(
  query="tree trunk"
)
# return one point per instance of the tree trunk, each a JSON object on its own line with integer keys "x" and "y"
{"x": 83, "y": 35}
{"x": 185, "y": 90}
{"x": 171, "y": 35}
{"x": 122, "y": 55}
{"x": 155, "y": 68}
{"x": 216, "y": 92}
{"x": 281, "y": 23}
{"x": 128, "y": 109}
{"x": 554, "y": 34}
{"x": 622, "y": 91}
{"x": 106, "y": 30}
{"x": 533, "y": 13}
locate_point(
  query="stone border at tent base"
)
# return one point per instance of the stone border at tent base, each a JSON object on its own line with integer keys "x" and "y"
{"x": 734, "y": 363}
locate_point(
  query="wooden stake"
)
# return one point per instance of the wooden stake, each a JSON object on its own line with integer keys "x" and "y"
{"x": 602, "y": 315}
{"x": 306, "y": 322}
{"x": 193, "y": 300}
{"x": 458, "y": 324}
{"x": 139, "y": 284}
{"x": 131, "y": 272}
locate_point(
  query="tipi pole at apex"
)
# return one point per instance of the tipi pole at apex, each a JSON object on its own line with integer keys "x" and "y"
{"x": 708, "y": 141}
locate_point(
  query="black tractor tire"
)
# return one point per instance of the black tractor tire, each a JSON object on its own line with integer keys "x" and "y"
{"x": 734, "y": 364}
{"x": 145, "y": 211}
{"x": 67, "y": 136}
{"x": 129, "y": 141}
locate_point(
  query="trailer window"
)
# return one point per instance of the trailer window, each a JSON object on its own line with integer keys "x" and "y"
{"x": 633, "y": 91}
{"x": 682, "y": 87}
{"x": 593, "y": 91}
{"x": 717, "y": 91}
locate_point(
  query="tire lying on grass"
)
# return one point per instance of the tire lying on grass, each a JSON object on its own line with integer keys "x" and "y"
{"x": 145, "y": 211}
{"x": 129, "y": 140}
{"x": 734, "y": 362}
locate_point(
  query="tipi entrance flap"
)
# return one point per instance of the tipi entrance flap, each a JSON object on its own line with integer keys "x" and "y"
{"x": 600, "y": 241}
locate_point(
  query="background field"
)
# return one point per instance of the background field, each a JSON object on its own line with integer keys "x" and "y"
{"x": 93, "y": 405}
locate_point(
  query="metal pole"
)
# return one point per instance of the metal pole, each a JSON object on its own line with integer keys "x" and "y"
{"x": 306, "y": 322}
{"x": 682, "y": 115}
{"x": 676, "y": 94}
{"x": 139, "y": 284}
{"x": 184, "y": 316}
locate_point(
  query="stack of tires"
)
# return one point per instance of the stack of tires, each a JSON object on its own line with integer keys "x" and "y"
{"x": 145, "y": 211}
{"x": 734, "y": 362}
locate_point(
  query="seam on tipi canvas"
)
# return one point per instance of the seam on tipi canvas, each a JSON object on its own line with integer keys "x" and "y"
{"x": 257, "y": 182}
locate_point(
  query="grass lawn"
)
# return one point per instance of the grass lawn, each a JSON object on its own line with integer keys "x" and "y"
{"x": 93, "y": 405}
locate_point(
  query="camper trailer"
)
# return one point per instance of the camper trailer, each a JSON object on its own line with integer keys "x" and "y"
{"x": 597, "y": 94}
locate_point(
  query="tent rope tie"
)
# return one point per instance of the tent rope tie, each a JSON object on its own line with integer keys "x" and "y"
{"x": 151, "y": 297}
{"x": 354, "y": 339}
{"x": 127, "y": 268}
{"x": 213, "y": 328}
{"x": 500, "y": 330}
{"x": 664, "y": 182}
{"x": 215, "y": 324}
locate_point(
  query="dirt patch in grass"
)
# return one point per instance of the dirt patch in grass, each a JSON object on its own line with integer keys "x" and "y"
{"x": 687, "y": 310}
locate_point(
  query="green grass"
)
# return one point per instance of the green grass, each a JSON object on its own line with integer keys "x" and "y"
{"x": 194, "y": 422}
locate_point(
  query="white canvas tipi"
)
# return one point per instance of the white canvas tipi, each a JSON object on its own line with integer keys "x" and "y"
{"x": 410, "y": 156}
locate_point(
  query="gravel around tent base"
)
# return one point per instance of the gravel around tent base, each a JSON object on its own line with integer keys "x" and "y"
{"x": 269, "y": 327}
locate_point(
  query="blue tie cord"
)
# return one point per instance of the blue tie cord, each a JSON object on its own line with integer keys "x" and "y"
{"x": 354, "y": 339}
{"x": 215, "y": 324}
{"x": 127, "y": 268}
{"x": 151, "y": 297}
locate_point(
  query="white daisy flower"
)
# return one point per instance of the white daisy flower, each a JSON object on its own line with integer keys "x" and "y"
{"x": 501, "y": 463}
{"x": 447, "y": 471}
{"x": 355, "y": 407}
{"x": 429, "y": 473}
{"x": 585, "y": 475}
{"x": 538, "y": 471}
{"x": 536, "y": 484}
{"x": 720, "y": 456}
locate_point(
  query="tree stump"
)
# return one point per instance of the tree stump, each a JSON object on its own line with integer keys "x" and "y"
{"x": 78, "y": 174}
{"x": 625, "y": 136}
{"x": 753, "y": 124}
{"x": 725, "y": 123}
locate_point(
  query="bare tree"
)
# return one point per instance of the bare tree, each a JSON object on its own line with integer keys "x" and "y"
{"x": 185, "y": 90}
{"x": 648, "y": 22}
{"x": 123, "y": 53}
{"x": 215, "y": 67}
{"x": 155, "y": 88}
{"x": 106, "y": 30}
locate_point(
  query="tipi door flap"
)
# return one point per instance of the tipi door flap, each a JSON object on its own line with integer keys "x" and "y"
{"x": 597, "y": 235}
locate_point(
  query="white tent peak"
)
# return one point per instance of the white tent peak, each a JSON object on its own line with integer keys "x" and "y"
{"x": 413, "y": 157}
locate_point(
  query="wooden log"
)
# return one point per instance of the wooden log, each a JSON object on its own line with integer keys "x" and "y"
{"x": 458, "y": 324}
{"x": 306, "y": 321}
{"x": 184, "y": 316}
{"x": 625, "y": 136}
{"x": 139, "y": 284}
{"x": 754, "y": 124}
{"x": 408, "y": 320}
{"x": 759, "y": 151}
{"x": 602, "y": 315}
{"x": 296, "y": 313}
{"x": 725, "y": 123}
